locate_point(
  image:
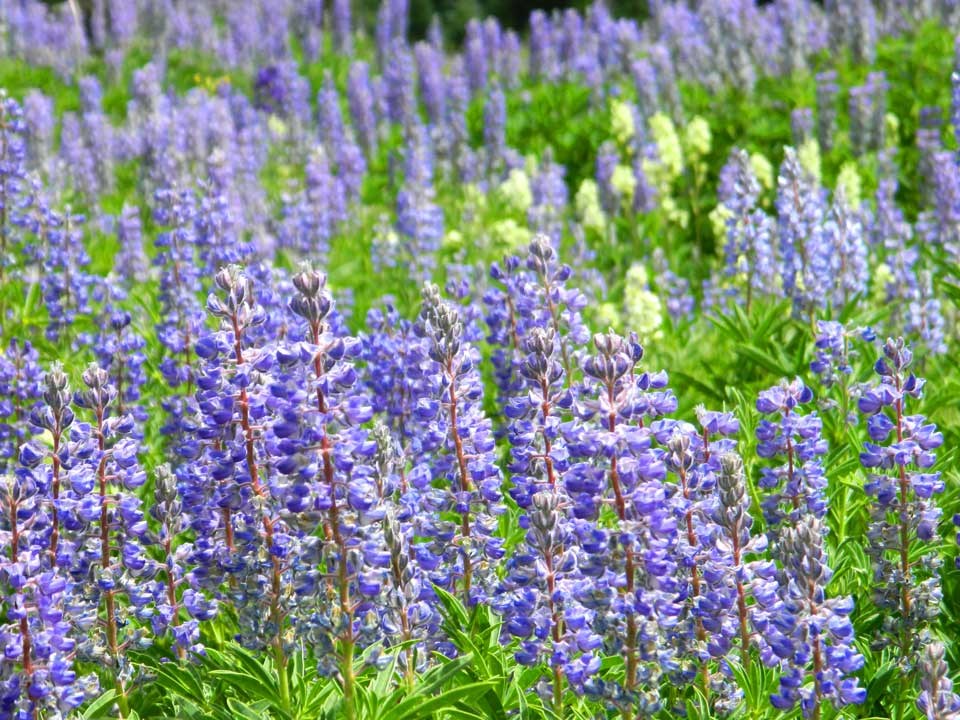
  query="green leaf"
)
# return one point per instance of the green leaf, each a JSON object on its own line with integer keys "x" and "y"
{"x": 246, "y": 712}
{"x": 101, "y": 706}
{"x": 250, "y": 685}
{"x": 418, "y": 707}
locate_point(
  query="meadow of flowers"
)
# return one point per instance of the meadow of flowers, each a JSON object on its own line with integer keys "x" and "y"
{"x": 603, "y": 369}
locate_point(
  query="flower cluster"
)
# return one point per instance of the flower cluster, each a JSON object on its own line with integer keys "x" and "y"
{"x": 797, "y": 486}
{"x": 324, "y": 486}
{"x": 903, "y": 513}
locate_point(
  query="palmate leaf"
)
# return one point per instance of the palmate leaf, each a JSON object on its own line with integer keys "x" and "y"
{"x": 776, "y": 366}
{"x": 762, "y": 325}
{"x": 420, "y": 706}
{"x": 478, "y": 633}
{"x": 758, "y": 683}
{"x": 438, "y": 690}
{"x": 182, "y": 681}
{"x": 437, "y": 677}
{"x": 258, "y": 681}
{"x": 251, "y": 688}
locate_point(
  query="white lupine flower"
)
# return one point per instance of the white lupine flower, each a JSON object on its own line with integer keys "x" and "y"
{"x": 587, "y": 203}
{"x": 809, "y": 156}
{"x": 763, "y": 169}
{"x": 642, "y": 309}
{"x": 697, "y": 138}
{"x": 515, "y": 191}
{"x": 621, "y": 122}
{"x": 848, "y": 181}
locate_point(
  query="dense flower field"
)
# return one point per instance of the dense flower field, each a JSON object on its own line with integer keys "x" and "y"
{"x": 606, "y": 371}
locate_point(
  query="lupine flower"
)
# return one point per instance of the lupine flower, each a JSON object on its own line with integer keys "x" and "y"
{"x": 465, "y": 461}
{"x": 938, "y": 225}
{"x": 435, "y": 33}
{"x": 419, "y": 218}
{"x": 40, "y": 121}
{"x": 119, "y": 351}
{"x": 54, "y": 416}
{"x": 536, "y": 594}
{"x": 815, "y": 645}
{"x": 801, "y": 125}
{"x": 330, "y": 121}
{"x": 342, "y": 30}
{"x": 534, "y": 296}
{"x": 105, "y": 530}
{"x": 868, "y": 109}
{"x": 538, "y": 454}
{"x": 167, "y": 510}
{"x": 843, "y": 232}
{"x": 20, "y": 390}
{"x": 69, "y": 291}
{"x": 324, "y": 462}
{"x": 688, "y": 460}
{"x": 832, "y": 362}
{"x": 805, "y": 255}
{"x": 431, "y": 82}
{"x": 854, "y": 25}
{"x": 904, "y": 514}
{"x": 748, "y": 249}
{"x": 860, "y": 111}
{"x": 937, "y": 700}
{"x": 827, "y": 89}
{"x": 360, "y": 101}
{"x": 401, "y": 386}
{"x": 798, "y": 485}
{"x": 728, "y": 613}
{"x": 629, "y": 567}
{"x": 475, "y": 57}
{"x": 399, "y": 88}
{"x": 131, "y": 261}
{"x": 925, "y": 316}
{"x": 37, "y": 674}
{"x": 182, "y": 315}
{"x": 892, "y": 231}
{"x": 494, "y": 129}
{"x": 464, "y": 158}
{"x": 679, "y": 301}
{"x": 312, "y": 216}
{"x": 245, "y": 510}
{"x": 929, "y": 144}
{"x": 78, "y": 160}
{"x": 550, "y": 198}
{"x": 279, "y": 89}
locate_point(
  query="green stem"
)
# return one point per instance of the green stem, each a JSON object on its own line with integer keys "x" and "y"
{"x": 123, "y": 704}
{"x": 346, "y": 670}
{"x": 901, "y": 711}
{"x": 281, "y": 662}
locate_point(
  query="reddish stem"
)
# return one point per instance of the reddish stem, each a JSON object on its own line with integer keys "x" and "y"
{"x": 276, "y": 613}
{"x": 466, "y": 483}
{"x": 630, "y": 643}
{"x": 741, "y": 600}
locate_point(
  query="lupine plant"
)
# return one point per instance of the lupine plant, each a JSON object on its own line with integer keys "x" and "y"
{"x": 904, "y": 515}
{"x": 331, "y": 340}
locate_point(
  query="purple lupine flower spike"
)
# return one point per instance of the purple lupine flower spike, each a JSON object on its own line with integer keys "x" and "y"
{"x": 817, "y": 644}
{"x": 937, "y": 700}
{"x": 466, "y": 463}
{"x": 799, "y": 483}
{"x": 904, "y": 513}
